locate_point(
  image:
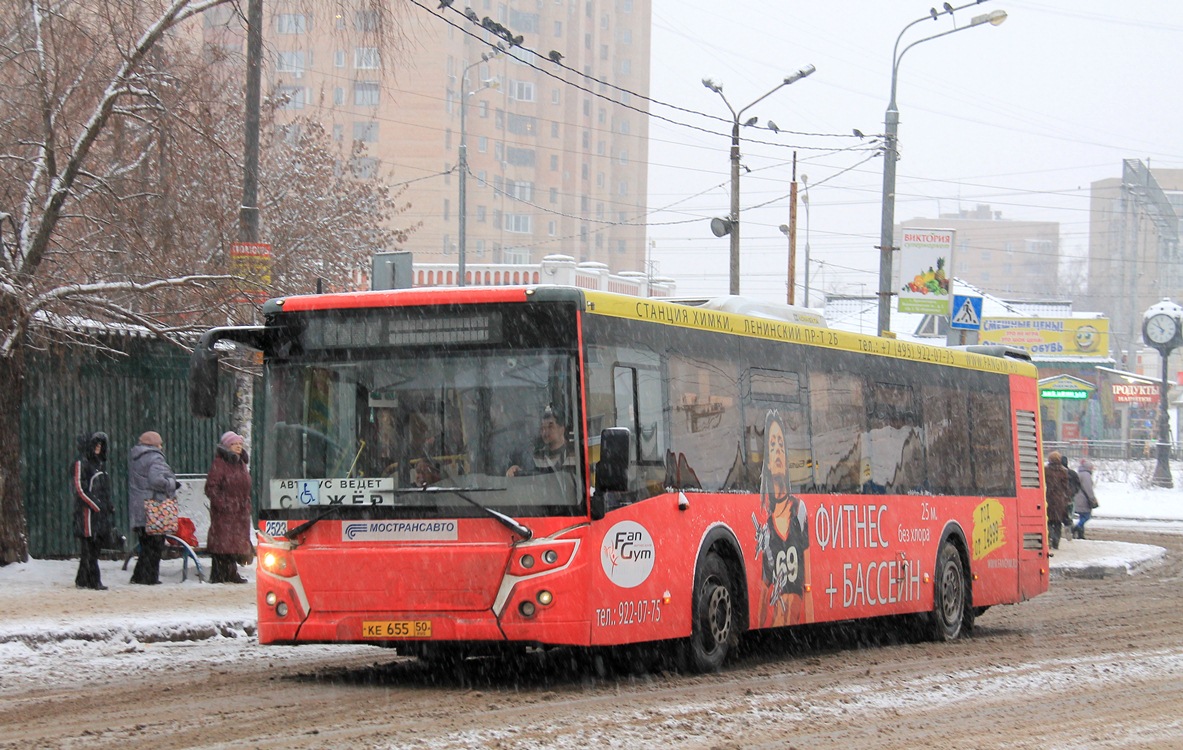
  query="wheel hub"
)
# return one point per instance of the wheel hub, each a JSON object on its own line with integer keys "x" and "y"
{"x": 719, "y": 614}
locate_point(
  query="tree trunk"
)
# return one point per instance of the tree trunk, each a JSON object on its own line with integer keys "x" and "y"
{"x": 14, "y": 538}
{"x": 244, "y": 402}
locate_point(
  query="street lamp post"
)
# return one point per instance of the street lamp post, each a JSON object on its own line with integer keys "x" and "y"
{"x": 731, "y": 226}
{"x": 891, "y": 149}
{"x": 462, "y": 208}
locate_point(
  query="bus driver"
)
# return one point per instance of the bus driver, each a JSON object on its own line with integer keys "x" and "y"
{"x": 554, "y": 451}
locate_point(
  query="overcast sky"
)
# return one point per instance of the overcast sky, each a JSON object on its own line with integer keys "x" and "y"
{"x": 1022, "y": 116}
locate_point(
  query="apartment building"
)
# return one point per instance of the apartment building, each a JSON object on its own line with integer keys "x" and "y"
{"x": 549, "y": 98}
{"x": 1014, "y": 260}
{"x": 1134, "y": 251}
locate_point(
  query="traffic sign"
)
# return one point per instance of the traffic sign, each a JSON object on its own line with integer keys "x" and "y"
{"x": 967, "y": 312}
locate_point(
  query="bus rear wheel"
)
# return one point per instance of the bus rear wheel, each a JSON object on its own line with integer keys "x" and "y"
{"x": 715, "y": 627}
{"x": 952, "y": 614}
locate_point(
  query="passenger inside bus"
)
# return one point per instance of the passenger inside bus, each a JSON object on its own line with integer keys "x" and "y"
{"x": 427, "y": 472}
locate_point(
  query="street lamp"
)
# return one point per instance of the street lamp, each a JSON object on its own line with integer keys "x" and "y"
{"x": 730, "y": 225}
{"x": 891, "y": 149}
{"x": 463, "y": 161}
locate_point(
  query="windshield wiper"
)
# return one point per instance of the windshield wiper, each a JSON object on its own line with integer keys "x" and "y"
{"x": 513, "y": 525}
{"x": 432, "y": 489}
{"x": 293, "y": 533}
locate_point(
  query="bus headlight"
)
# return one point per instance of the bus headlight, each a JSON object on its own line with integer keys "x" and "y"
{"x": 278, "y": 562}
{"x": 282, "y": 609}
{"x": 550, "y": 557}
{"x": 271, "y": 598}
{"x": 526, "y": 608}
{"x": 545, "y": 597}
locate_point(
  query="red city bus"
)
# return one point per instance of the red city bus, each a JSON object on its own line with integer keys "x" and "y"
{"x": 451, "y": 470}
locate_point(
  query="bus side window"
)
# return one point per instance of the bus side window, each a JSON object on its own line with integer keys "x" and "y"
{"x": 837, "y": 419}
{"x": 705, "y": 424}
{"x": 624, "y": 389}
{"x": 782, "y": 390}
{"x": 895, "y": 440}
{"x": 639, "y": 403}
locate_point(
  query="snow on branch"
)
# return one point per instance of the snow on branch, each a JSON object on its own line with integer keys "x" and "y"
{"x": 94, "y": 296}
{"x": 35, "y": 234}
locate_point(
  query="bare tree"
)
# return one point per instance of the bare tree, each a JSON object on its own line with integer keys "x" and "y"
{"x": 326, "y": 212}
{"x": 119, "y": 161}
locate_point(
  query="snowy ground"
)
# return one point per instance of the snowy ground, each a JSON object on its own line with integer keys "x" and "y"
{"x": 52, "y": 632}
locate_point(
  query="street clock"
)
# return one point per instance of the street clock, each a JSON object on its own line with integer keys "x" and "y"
{"x": 1161, "y": 329}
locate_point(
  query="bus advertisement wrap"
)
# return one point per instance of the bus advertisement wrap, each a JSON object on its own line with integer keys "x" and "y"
{"x": 600, "y": 470}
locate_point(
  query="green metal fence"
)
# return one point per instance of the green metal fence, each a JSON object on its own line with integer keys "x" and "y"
{"x": 73, "y": 390}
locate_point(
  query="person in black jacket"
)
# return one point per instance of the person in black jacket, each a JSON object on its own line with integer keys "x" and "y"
{"x": 1073, "y": 488}
{"x": 93, "y": 510}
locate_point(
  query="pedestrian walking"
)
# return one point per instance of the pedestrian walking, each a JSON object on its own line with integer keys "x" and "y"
{"x": 228, "y": 487}
{"x": 93, "y": 511}
{"x": 1073, "y": 488}
{"x": 149, "y": 477}
{"x": 1056, "y": 496}
{"x": 1085, "y": 500}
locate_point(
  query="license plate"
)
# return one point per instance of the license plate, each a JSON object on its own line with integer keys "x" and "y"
{"x": 396, "y": 629}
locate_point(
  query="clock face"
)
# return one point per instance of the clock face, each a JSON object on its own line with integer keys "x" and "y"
{"x": 1160, "y": 329}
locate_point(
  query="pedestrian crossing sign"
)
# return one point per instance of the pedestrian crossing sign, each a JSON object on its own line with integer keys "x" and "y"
{"x": 967, "y": 312}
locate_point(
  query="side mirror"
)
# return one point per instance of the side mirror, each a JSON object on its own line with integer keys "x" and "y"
{"x": 612, "y": 470}
{"x": 203, "y": 382}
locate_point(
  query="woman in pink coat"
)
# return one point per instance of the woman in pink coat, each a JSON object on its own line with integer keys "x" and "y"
{"x": 228, "y": 487}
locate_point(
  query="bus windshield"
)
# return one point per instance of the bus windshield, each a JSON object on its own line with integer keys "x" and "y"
{"x": 410, "y": 431}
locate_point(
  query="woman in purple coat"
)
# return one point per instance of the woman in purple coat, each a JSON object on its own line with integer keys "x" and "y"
{"x": 228, "y": 487}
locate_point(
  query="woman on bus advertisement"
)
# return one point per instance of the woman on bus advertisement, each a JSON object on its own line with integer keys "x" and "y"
{"x": 782, "y": 539}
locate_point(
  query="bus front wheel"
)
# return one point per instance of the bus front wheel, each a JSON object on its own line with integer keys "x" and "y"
{"x": 715, "y": 627}
{"x": 952, "y": 613}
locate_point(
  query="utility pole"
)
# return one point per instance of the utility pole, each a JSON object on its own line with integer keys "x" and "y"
{"x": 792, "y": 298}
{"x": 248, "y": 212}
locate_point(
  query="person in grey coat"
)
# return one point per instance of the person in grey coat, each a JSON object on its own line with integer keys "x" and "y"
{"x": 1085, "y": 499}
{"x": 148, "y": 476}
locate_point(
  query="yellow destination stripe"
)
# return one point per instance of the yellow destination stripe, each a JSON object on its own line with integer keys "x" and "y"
{"x": 685, "y": 316}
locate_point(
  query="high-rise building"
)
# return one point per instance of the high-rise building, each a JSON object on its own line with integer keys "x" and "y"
{"x": 1013, "y": 260}
{"x": 1134, "y": 253}
{"x": 550, "y": 98}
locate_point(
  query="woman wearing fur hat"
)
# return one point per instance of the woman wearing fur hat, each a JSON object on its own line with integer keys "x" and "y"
{"x": 228, "y": 487}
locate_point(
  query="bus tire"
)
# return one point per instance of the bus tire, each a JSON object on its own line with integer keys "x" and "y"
{"x": 952, "y": 613}
{"x": 714, "y": 627}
